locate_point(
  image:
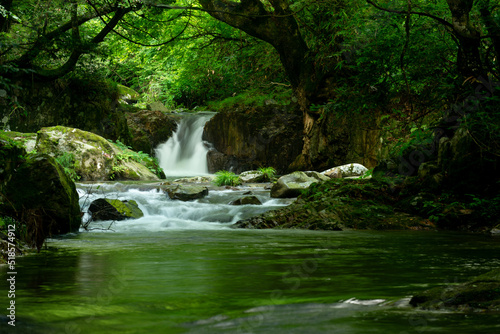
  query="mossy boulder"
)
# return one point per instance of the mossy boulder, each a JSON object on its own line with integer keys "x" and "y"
{"x": 185, "y": 192}
{"x": 94, "y": 158}
{"x": 114, "y": 209}
{"x": 25, "y": 140}
{"x": 127, "y": 94}
{"x": 292, "y": 185}
{"x": 482, "y": 292}
{"x": 42, "y": 196}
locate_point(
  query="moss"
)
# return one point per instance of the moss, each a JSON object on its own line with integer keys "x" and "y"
{"x": 341, "y": 204}
{"x": 128, "y": 209}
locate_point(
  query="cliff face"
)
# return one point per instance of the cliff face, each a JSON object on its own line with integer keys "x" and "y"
{"x": 274, "y": 136}
{"x": 269, "y": 136}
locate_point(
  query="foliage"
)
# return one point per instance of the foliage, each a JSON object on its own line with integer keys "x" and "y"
{"x": 141, "y": 157}
{"x": 482, "y": 120}
{"x": 67, "y": 161}
{"x": 269, "y": 173}
{"x": 225, "y": 178}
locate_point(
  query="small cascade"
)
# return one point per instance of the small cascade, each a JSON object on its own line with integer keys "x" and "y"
{"x": 185, "y": 154}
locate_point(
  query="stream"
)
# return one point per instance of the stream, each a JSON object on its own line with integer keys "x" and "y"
{"x": 182, "y": 269}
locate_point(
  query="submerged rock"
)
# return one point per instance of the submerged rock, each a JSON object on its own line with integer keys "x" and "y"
{"x": 482, "y": 292}
{"x": 246, "y": 200}
{"x": 114, "y": 209}
{"x": 186, "y": 192}
{"x": 292, "y": 185}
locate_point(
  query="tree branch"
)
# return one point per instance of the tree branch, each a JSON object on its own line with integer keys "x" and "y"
{"x": 403, "y": 12}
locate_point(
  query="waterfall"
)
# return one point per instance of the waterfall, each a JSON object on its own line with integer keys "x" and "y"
{"x": 185, "y": 154}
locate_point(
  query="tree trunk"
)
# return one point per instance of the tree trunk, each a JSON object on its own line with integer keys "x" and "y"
{"x": 469, "y": 59}
{"x": 279, "y": 28}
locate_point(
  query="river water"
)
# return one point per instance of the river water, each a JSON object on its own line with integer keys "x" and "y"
{"x": 182, "y": 269}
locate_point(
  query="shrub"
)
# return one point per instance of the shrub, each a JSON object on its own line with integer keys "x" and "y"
{"x": 269, "y": 173}
{"x": 225, "y": 178}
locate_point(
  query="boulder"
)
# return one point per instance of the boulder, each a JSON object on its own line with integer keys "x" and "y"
{"x": 94, "y": 158}
{"x": 114, "y": 209}
{"x": 482, "y": 292}
{"x": 252, "y": 176}
{"x": 41, "y": 195}
{"x": 334, "y": 173}
{"x": 128, "y": 95}
{"x": 259, "y": 136}
{"x": 196, "y": 179}
{"x": 349, "y": 170}
{"x": 149, "y": 129}
{"x": 247, "y": 200}
{"x": 186, "y": 192}
{"x": 292, "y": 185}
{"x": 157, "y": 106}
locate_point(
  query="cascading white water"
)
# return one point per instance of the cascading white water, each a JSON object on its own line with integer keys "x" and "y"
{"x": 185, "y": 154}
{"x": 162, "y": 213}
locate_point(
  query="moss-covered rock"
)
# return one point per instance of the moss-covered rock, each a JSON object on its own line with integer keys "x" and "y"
{"x": 127, "y": 94}
{"x": 40, "y": 195}
{"x": 114, "y": 209}
{"x": 25, "y": 140}
{"x": 482, "y": 292}
{"x": 339, "y": 204}
{"x": 95, "y": 158}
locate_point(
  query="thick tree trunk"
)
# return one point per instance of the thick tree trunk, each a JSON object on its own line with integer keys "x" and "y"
{"x": 469, "y": 58}
{"x": 279, "y": 28}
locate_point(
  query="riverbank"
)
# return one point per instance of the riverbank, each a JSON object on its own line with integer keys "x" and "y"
{"x": 381, "y": 204}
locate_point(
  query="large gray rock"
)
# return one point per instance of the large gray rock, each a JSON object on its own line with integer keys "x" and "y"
{"x": 348, "y": 170}
{"x": 95, "y": 158}
{"x": 247, "y": 200}
{"x": 114, "y": 209}
{"x": 186, "y": 192}
{"x": 292, "y": 185}
{"x": 252, "y": 176}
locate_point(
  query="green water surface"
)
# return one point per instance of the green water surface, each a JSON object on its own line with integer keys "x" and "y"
{"x": 246, "y": 281}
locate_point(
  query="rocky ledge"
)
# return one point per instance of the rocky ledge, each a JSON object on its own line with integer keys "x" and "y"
{"x": 339, "y": 204}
